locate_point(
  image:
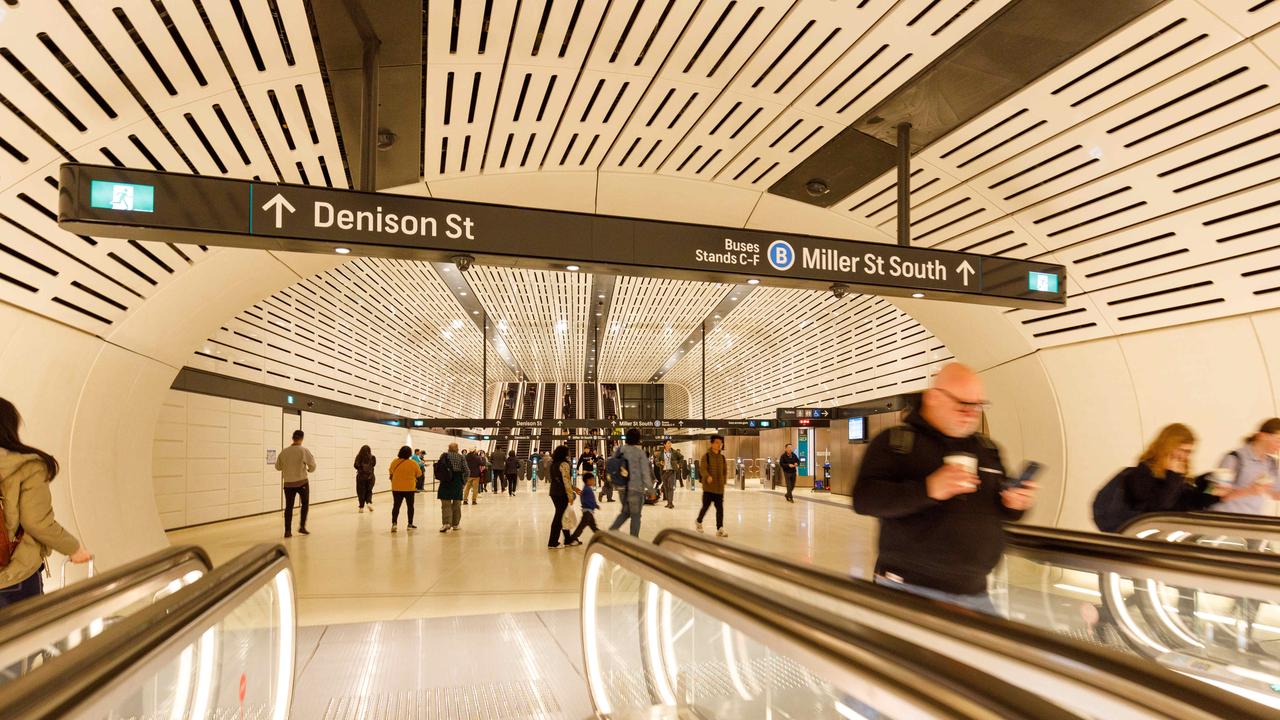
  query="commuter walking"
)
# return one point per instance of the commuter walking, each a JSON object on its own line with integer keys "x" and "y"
{"x": 364, "y": 464}
{"x": 420, "y": 459}
{"x": 1250, "y": 475}
{"x": 404, "y": 485}
{"x": 936, "y": 484}
{"x": 545, "y": 467}
{"x": 512, "y": 469}
{"x": 633, "y": 466}
{"x": 668, "y": 462}
{"x": 294, "y": 462}
{"x": 561, "y": 494}
{"x": 474, "y": 468}
{"x": 450, "y": 470}
{"x": 589, "y": 507}
{"x": 790, "y": 464}
{"x": 31, "y": 532}
{"x": 535, "y": 462}
{"x": 715, "y": 472}
{"x": 1158, "y": 483}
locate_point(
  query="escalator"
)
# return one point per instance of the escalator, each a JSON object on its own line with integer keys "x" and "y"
{"x": 39, "y": 630}
{"x": 569, "y": 411}
{"x": 689, "y": 627}
{"x": 701, "y": 628}
{"x": 528, "y": 411}
{"x": 1230, "y": 531}
{"x": 506, "y": 411}
{"x": 220, "y": 645}
{"x": 549, "y": 400}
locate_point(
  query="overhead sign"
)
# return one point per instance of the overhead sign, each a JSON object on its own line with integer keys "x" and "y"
{"x": 109, "y": 201}
{"x": 568, "y": 424}
{"x": 813, "y": 413}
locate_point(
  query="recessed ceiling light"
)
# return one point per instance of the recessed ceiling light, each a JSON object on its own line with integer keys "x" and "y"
{"x": 463, "y": 294}
{"x": 753, "y": 281}
{"x": 572, "y": 268}
{"x": 342, "y": 250}
{"x": 917, "y": 295}
{"x": 475, "y": 312}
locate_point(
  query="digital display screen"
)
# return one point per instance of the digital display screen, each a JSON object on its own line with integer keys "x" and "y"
{"x": 122, "y": 196}
{"x": 1042, "y": 282}
{"x": 858, "y": 429}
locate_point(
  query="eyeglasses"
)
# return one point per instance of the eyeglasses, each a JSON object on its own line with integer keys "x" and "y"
{"x": 975, "y": 406}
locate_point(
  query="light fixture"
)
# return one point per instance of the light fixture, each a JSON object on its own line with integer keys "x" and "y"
{"x": 917, "y": 295}
{"x": 462, "y": 294}
{"x": 475, "y": 312}
{"x": 342, "y": 250}
{"x": 753, "y": 281}
{"x": 572, "y": 268}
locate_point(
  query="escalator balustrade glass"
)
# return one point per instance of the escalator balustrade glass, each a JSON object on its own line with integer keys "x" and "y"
{"x": 1228, "y": 531}
{"x": 663, "y": 637}
{"x": 36, "y": 631}
{"x": 1210, "y": 614}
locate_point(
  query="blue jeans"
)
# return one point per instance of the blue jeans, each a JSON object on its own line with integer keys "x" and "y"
{"x": 981, "y": 602}
{"x": 29, "y": 588}
{"x": 632, "y": 505}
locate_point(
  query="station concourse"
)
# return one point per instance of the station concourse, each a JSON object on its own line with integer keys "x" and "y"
{"x": 241, "y": 240}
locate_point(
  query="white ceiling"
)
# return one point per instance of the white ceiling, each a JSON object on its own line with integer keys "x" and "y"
{"x": 1146, "y": 165}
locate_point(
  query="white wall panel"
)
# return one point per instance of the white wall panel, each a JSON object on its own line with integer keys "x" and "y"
{"x": 209, "y": 456}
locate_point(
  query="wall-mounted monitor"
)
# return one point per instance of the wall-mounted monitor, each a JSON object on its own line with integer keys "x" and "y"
{"x": 857, "y": 430}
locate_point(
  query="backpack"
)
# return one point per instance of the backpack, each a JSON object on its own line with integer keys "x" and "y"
{"x": 441, "y": 468}
{"x": 1110, "y": 506}
{"x": 618, "y": 470}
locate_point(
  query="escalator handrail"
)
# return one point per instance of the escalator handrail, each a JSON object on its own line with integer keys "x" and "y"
{"x": 58, "y": 688}
{"x": 952, "y": 688}
{"x": 1228, "y": 566}
{"x": 1219, "y": 520}
{"x": 1120, "y": 675}
{"x": 22, "y": 619}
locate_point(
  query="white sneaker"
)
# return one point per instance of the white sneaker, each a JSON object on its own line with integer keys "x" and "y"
{"x": 698, "y": 527}
{"x": 721, "y": 533}
{"x": 444, "y": 528}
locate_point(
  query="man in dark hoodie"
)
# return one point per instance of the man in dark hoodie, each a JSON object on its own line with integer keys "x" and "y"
{"x": 937, "y": 486}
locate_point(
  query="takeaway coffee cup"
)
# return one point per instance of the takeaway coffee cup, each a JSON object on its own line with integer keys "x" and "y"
{"x": 964, "y": 461}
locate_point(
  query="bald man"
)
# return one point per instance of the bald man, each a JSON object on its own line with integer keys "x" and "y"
{"x": 935, "y": 483}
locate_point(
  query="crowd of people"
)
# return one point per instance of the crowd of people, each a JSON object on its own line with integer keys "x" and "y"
{"x": 938, "y": 486}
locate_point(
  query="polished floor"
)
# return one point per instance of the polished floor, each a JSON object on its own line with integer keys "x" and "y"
{"x": 352, "y": 569}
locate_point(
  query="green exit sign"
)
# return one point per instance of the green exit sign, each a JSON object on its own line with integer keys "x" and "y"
{"x": 1042, "y": 282}
{"x": 122, "y": 196}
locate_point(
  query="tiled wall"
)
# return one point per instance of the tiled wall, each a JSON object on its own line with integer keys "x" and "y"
{"x": 210, "y": 456}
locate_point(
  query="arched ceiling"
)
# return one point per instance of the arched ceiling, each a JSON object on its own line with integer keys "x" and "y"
{"x": 1146, "y": 164}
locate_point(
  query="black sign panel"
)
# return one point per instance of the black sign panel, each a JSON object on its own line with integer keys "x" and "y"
{"x": 568, "y": 424}
{"x": 139, "y": 204}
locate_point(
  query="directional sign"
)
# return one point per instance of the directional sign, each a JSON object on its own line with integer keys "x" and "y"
{"x": 814, "y": 413}
{"x": 243, "y": 213}
{"x": 575, "y": 424}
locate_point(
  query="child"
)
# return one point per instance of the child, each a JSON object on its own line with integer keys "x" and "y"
{"x": 589, "y": 507}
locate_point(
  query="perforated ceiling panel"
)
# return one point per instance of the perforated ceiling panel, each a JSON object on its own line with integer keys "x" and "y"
{"x": 541, "y": 315}
{"x": 154, "y": 84}
{"x": 1146, "y": 164}
{"x": 385, "y": 334}
{"x": 799, "y": 347}
{"x": 648, "y": 320}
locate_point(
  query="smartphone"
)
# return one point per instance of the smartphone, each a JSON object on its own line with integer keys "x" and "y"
{"x": 1029, "y": 472}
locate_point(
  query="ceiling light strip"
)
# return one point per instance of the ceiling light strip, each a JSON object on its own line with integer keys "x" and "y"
{"x": 732, "y": 299}
{"x": 472, "y": 308}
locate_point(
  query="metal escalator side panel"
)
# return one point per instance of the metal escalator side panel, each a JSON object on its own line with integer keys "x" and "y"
{"x": 628, "y": 585}
{"x": 250, "y": 600}
{"x": 1076, "y": 673}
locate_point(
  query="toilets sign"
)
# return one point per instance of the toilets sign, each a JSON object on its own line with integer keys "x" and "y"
{"x": 170, "y": 207}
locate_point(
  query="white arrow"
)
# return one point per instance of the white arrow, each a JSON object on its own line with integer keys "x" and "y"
{"x": 967, "y": 270}
{"x": 279, "y": 204}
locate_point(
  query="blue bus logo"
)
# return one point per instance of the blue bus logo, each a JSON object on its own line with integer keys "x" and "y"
{"x": 781, "y": 255}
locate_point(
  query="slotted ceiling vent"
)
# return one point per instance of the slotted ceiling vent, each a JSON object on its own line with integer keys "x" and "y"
{"x": 799, "y": 347}
{"x": 155, "y": 84}
{"x": 384, "y": 334}
{"x": 648, "y": 320}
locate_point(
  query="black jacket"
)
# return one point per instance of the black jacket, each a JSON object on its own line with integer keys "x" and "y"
{"x": 1146, "y": 493}
{"x": 789, "y": 459}
{"x": 512, "y": 465}
{"x": 950, "y": 546}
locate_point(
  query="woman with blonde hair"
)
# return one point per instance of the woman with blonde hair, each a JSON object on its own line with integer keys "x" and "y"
{"x": 1160, "y": 482}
